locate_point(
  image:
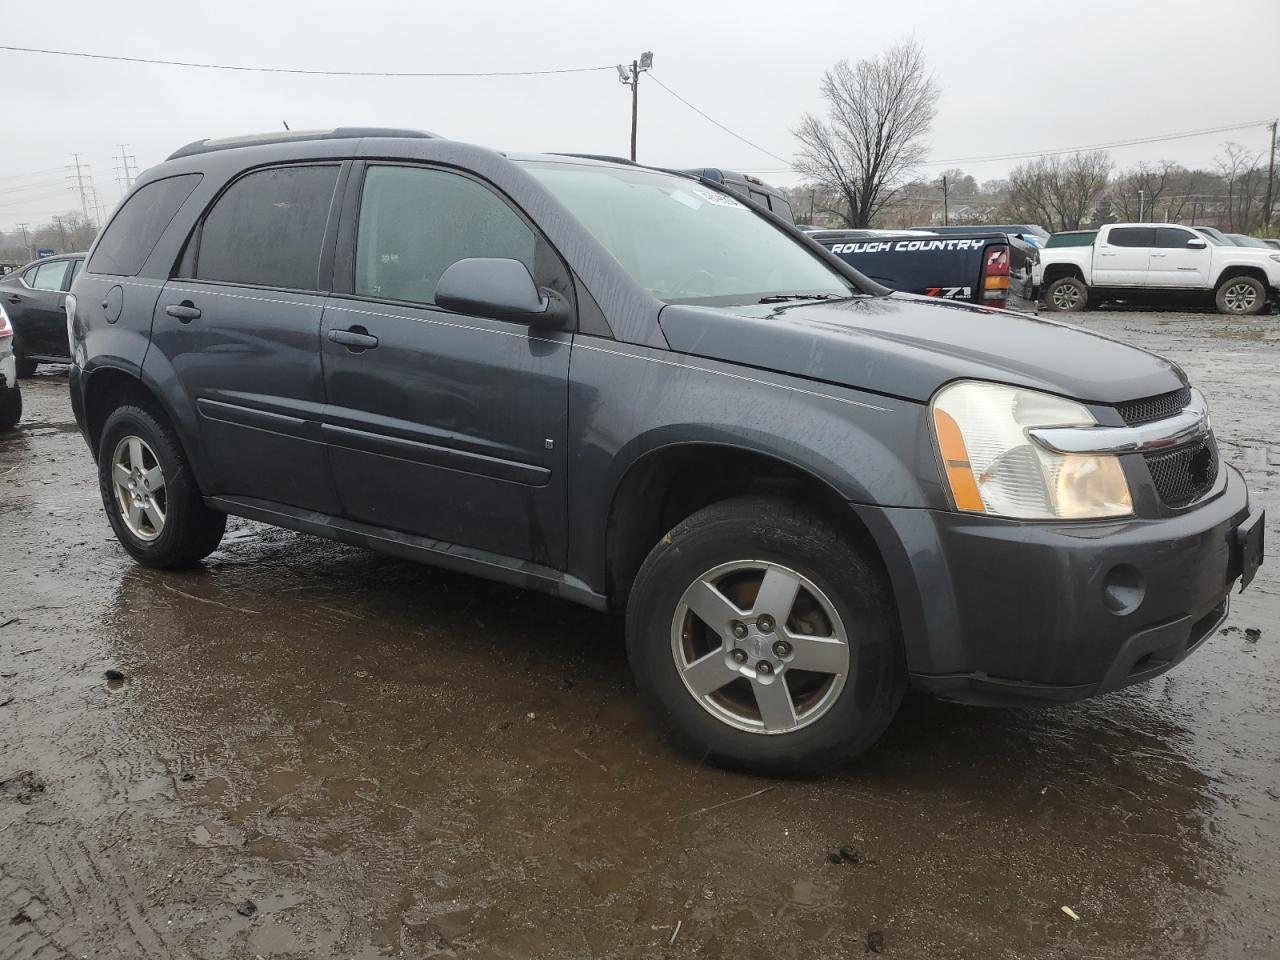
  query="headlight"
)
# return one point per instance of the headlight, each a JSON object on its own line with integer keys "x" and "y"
{"x": 993, "y": 466}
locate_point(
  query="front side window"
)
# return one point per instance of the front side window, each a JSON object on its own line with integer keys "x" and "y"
{"x": 1132, "y": 237}
{"x": 268, "y": 228}
{"x": 135, "y": 229}
{"x": 49, "y": 276}
{"x": 683, "y": 241}
{"x": 1168, "y": 238}
{"x": 416, "y": 222}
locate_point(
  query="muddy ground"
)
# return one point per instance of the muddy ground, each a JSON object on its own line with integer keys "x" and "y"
{"x": 320, "y": 752}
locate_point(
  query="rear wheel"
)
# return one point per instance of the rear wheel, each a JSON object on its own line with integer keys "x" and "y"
{"x": 10, "y": 407}
{"x": 150, "y": 494}
{"x": 764, "y": 640}
{"x": 1241, "y": 296}
{"x": 1067, "y": 295}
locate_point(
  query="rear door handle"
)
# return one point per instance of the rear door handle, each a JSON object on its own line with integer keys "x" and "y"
{"x": 356, "y": 339}
{"x": 185, "y": 312}
{"x": 15, "y": 299}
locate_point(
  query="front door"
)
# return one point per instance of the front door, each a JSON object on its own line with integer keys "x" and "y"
{"x": 1174, "y": 264}
{"x": 443, "y": 425}
{"x": 1122, "y": 257}
{"x": 240, "y": 327}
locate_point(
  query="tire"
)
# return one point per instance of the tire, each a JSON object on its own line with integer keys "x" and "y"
{"x": 1240, "y": 296}
{"x": 732, "y": 545}
{"x": 10, "y": 407}
{"x": 176, "y": 529}
{"x": 1066, "y": 295}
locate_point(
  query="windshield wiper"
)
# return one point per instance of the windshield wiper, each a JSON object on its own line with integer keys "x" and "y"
{"x": 785, "y": 297}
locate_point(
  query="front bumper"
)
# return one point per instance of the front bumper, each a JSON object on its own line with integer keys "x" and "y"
{"x": 999, "y": 611}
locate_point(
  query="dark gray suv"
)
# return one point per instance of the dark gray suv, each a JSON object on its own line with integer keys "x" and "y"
{"x": 633, "y": 389}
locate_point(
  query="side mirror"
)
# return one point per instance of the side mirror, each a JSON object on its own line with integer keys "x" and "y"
{"x": 1195, "y": 243}
{"x": 501, "y": 289}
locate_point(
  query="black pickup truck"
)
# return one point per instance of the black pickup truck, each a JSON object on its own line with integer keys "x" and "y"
{"x": 984, "y": 266}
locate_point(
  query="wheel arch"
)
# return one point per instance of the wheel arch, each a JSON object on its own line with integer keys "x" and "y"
{"x": 109, "y": 385}
{"x": 1243, "y": 270}
{"x": 669, "y": 483}
{"x": 1057, "y": 271}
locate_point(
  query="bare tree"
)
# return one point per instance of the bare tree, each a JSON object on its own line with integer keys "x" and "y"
{"x": 1163, "y": 191}
{"x": 879, "y": 111}
{"x": 1057, "y": 192}
{"x": 1245, "y": 179}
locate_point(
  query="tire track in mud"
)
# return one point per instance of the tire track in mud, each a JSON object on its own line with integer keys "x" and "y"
{"x": 84, "y": 906}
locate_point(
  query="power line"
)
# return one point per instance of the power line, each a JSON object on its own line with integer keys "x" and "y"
{"x": 716, "y": 122}
{"x": 33, "y": 173}
{"x": 1050, "y": 153}
{"x": 294, "y": 70}
{"x": 1102, "y": 146}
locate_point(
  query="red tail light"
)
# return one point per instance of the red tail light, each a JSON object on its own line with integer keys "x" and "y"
{"x": 995, "y": 275}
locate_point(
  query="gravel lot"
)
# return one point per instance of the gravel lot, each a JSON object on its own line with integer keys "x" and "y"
{"x": 319, "y": 752}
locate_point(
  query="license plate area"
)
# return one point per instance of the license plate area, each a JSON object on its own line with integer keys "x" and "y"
{"x": 1250, "y": 542}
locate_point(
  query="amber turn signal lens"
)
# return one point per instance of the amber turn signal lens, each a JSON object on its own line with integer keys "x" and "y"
{"x": 955, "y": 461}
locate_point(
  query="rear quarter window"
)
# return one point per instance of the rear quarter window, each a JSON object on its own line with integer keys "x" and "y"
{"x": 135, "y": 229}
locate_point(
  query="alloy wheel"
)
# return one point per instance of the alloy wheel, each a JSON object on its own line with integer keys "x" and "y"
{"x": 760, "y": 647}
{"x": 138, "y": 482}
{"x": 1240, "y": 297}
{"x": 1066, "y": 296}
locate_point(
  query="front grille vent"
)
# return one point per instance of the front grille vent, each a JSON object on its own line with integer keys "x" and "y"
{"x": 1154, "y": 408}
{"x": 1184, "y": 475}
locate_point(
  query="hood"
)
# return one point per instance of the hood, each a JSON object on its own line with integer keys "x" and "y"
{"x": 908, "y": 346}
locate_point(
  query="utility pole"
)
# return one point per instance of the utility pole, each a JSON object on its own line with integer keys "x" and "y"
{"x": 25, "y": 242}
{"x": 631, "y": 77}
{"x": 1142, "y": 199}
{"x": 1271, "y": 179}
{"x": 84, "y": 197}
{"x": 62, "y": 232}
{"x": 127, "y": 171}
{"x": 945, "y": 213}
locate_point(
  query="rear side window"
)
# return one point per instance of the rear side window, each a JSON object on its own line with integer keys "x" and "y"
{"x": 267, "y": 229}
{"x": 1169, "y": 238}
{"x": 1132, "y": 237}
{"x": 1082, "y": 239}
{"x": 416, "y": 222}
{"x": 49, "y": 276}
{"x": 135, "y": 229}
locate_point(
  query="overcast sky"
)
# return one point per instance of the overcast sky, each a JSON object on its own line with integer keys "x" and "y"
{"x": 1015, "y": 77}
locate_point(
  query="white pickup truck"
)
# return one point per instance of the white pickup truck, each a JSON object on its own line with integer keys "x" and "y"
{"x": 1129, "y": 261}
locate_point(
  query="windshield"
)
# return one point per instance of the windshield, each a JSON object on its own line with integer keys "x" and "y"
{"x": 687, "y": 243}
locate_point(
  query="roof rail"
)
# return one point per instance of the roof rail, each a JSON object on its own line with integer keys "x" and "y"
{"x": 296, "y": 136}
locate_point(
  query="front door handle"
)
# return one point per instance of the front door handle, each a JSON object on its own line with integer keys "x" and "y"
{"x": 184, "y": 312}
{"x": 15, "y": 299}
{"x": 356, "y": 339}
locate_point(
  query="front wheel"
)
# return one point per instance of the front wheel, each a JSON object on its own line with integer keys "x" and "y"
{"x": 1241, "y": 296}
{"x": 150, "y": 494}
{"x": 10, "y": 407}
{"x": 765, "y": 640}
{"x": 1067, "y": 295}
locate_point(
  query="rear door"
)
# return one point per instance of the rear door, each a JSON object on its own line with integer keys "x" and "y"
{"x": 39, "y": 319}
{"x": 444, "y": 425}
{"x": 1174, "y": 264}
{"x": 240, "y": 325}
{"x": 1122, "y": 256}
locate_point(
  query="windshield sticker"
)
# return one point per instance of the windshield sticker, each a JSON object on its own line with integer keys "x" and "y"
{"x": 719, "y": 199}
{"x": 693, "y": 203}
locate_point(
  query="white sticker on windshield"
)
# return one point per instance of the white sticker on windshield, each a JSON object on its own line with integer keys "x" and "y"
{"x": 718, "y": 199}
{"x": 693, "y": 203}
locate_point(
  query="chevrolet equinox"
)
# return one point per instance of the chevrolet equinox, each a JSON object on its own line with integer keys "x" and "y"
{"x": 633, "y": 389}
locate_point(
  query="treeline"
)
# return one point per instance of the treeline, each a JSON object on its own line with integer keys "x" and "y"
{"x": 67, "y": 233}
